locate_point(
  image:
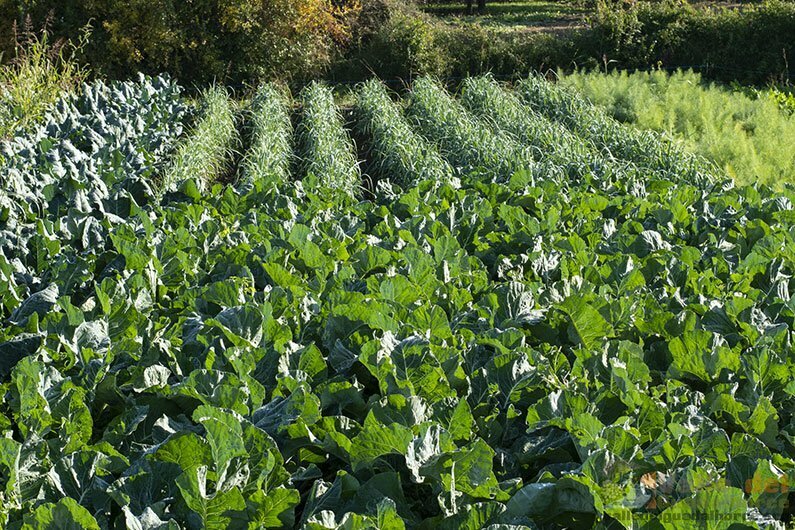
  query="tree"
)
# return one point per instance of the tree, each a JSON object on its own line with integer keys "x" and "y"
{"x": 198, "y": 41}
{"x": 481, "y": 6}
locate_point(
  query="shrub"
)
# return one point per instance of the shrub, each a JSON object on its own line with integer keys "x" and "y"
{"x": 784, "y": 98}
{"x": 240, "y": 41}
{"x": 202, "y": 40}
{"x": 402, "y": 42}
{"x": 393, "y": 40}
{"x": 510, "y": 55}
{"x": 752, "y": 44}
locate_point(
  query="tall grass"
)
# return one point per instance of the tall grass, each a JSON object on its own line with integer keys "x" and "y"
{"x": 751, "y": 139}
{"x": 39, "y": 73}
{"x": 207, "y": 152}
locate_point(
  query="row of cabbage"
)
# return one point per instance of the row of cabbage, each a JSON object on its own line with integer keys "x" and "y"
{"x": 98, "y": 149}
{"x": 94, "y": 151}
{"x": 89, "y": 165}
{"x": 103, "y": 154}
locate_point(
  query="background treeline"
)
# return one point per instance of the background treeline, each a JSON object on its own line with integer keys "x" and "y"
{"x": 239, "y": 41}
{"x": 752, "y": 45}
{"x": 197, "y": 41}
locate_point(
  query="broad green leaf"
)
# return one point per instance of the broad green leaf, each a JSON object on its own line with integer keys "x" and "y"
{"x": 588, "y": 327}
{"x": 716, "y": 508}
{"x": 224, "y": 434}
{"x": 38, "y": 303}
{"x": 700, "y": 354}
{"x": 187, "y": 450}
{"x": 66, "y": 514}
{"x": 377, "y": 440}
{"x": 274, "y": 509}
{"x": 211, "y": 511}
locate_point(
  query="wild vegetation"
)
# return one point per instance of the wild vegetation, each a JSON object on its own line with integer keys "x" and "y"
{"x": 532, "y": 342}
{"x": 35, "y": 77}
{"x": 751, "y": 43}
{"x": 253, "y": 41}
{"x": 197, "y": 42}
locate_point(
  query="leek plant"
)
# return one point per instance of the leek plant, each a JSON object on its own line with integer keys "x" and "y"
{"x": 270, "y": 154}
{"x": 551, "y": 142}
{"x": 328, "y": 154}
{"x": 208, "y": 151}
{"x": 396, "y": 151}
{"x": 469, "y": 144}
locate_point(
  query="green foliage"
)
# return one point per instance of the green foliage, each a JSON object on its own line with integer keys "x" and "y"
{"x": 206, "y": 154}
{"x": 96, "y": 154}
{"x": 784, "y": 96}
{"x": 751, "y": 44}
{"x": 552, "y": 140}
{"x": 501, "y": 351}
{"x": 394, "y": 39}
{"x": 38, "y": 74}
{"x": 408, "y": 43}
{"x": 328, "y": 155}
{"x": 295, "y": 40}
{"x": 200, "y": 41}
{"x": 750, "y": 139}
{"x": 475, "y": 51}
{"x": 66, "y": 514}
{"x": 648, "y": 151}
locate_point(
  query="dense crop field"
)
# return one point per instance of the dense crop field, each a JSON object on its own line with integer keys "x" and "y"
{"x": 750, "y": 139}
{"x": 540, "y": 318}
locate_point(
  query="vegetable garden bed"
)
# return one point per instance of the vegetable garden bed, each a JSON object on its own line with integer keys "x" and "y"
{"x": 541, "y": 319}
